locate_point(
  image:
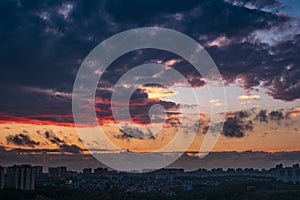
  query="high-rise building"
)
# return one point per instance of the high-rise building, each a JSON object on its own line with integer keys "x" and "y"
{"x": 38, "y": 171}
{"x": 20, "y": 177}
{"x": 100, "y": 170}
{"x": 87, "y": 171}
{"x": 2, "y": 177}
{"x": 58, "y": 173}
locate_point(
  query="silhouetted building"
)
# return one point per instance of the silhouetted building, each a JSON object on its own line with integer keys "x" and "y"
{"x": 2, "y": 177}
{"x": 100, "y": 170}
{"x": 38, "y": 171}
{"x": 87, "y": 171}
{"x": 287, "y": 174}
{"x": 57, "y": 172}
{"x": 20, "y": 177}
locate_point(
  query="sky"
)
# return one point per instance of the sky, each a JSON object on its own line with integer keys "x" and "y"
{"x": 255, "y": 45}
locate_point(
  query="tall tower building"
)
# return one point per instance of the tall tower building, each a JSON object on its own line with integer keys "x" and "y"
{"x": 57, "y": 173}
{"x": 20, "y": 177}
{"x": 2, "y": 177}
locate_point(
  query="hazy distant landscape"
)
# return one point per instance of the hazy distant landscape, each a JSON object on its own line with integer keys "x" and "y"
{"x": 248, "y": 159}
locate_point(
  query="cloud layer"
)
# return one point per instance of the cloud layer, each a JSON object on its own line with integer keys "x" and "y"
{"x": 44, "y": 44}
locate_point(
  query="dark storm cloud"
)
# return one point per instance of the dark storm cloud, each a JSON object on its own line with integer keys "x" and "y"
{"x": 232, "y": 21}
{"x": 194, "y": 17}
{"x": 284, "y": 76}
{"x": 65, "y": 148}
{"x": 132, "y": 59}
{"x": 139, "y": 106}
{"x": 21, "y": 140}
{"x": 49, "y": 135}
{"x": 257, "y": 3}
{"x": 262, "y": 116}
{"x": 173, "y": 122}
{"x": 2, "y": 148}
{"x": 245, "y": 56}
{"x": 23, "y": 103}
{"x": 44, "y": 43}
{"x": 41, "y": 48}
{"x": 275, "y": 68}
{"x": 276, "y": 116}
{"x": 237, "y": 125}
{"x": 142, "y": 12}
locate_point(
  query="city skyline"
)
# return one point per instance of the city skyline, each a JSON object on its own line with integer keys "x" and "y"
{"x": 27, "y": 177}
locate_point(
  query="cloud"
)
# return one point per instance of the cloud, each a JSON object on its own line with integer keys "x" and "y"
{"x": 74, "y": 149}
{"x": 249, "y": 97}
{"x": 21, "y": 140}
{"x": 294, "y": 112}
{"x": 237, "y": 124}
{"x": 262, "y": 116}
{"x": 276, "y": 116}
{"x": 45, "y": 43}
{"x": 25, "y": 141}
{"x": 203, "y": 125}
{"x": 138, "y": 12}
{"x": 155, "y": 92}
{"x": 173, "y": 122}
{"x": 128, "y": 132}
{"x": 2, "y": 148}
{"x": 42, "y": 119}
{"x": 256, "y": 4}
{"x": 139, "y": 106}
{"x": 219, "y": 42}
{"x": 49, "y": 135}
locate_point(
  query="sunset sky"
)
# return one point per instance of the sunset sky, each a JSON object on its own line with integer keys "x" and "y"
{"x": 255, "y": 45}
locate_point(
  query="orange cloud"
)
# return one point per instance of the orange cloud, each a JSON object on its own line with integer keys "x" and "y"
{"x": 294, "y": 113}
{"x": 219, "y": 42}
{"x": 216, "y": 102}
{"x": 172, "y": 62}
{"x": 157, "y": 92}
{"x": 249, "y": 97}
{"x": 43, "y": 120}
